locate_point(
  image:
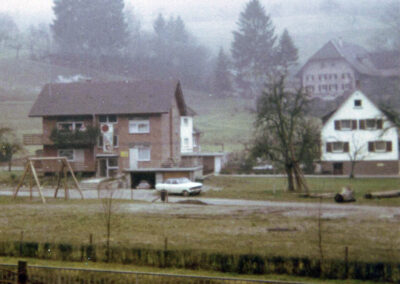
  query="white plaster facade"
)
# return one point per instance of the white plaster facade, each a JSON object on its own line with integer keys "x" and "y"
{"x": 358, "y": 139}
{"x": 186, "y": 134}
{"x": 328, "y": 78}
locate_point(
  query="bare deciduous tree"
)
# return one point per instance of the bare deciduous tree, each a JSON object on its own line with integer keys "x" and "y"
{"x": 283, "y": 133}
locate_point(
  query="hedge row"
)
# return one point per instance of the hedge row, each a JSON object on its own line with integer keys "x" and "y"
{"x": 243, "y": 264}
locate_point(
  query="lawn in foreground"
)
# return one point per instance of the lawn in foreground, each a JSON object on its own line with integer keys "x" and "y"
{"x": 274, "y": 188}
{"x": 133, "y": 268}
{"x": 206, "y": 228}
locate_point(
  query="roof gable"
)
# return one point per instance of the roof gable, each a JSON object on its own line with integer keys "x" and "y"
{"x": 357, "y": 56}
{"x": 347, "y": 110}
{"x": 88, "y": 98}
{"x": 328, "y": 51}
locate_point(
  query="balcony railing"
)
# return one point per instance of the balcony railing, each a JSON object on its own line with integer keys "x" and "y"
{"x": 74, "y": 138}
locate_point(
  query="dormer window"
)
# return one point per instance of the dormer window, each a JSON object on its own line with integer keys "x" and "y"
{"x": 358, "y": 103}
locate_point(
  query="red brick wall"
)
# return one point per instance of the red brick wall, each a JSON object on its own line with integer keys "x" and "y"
{"x": 365, "y": 168}
{"x": 53, "y": 166}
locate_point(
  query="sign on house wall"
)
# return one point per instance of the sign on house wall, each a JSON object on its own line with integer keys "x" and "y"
{"x": 107, "y": 131}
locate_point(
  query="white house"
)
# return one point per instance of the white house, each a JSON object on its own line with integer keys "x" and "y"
{"x": 359, "y": 131}
{"x": 186, "y": 134}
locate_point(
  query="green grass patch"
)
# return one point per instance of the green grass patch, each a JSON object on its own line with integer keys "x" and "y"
{"x": 147, "y": 269}
{"x": 369, "y": 238}
{"x": 274, "y": 188}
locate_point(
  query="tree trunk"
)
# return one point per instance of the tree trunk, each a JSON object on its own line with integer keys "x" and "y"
{"x": 289, "y": 173}
{"x": 353, "y": 165}
{"x": 9, "y": 165}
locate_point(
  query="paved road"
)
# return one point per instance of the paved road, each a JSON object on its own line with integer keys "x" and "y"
{"x": 152, "y": 203}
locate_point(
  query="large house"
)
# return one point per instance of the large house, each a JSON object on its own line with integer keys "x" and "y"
{"x": 335, "y": 68}
{"x": 115, "y": 127}
{"x": 359, "y": 134}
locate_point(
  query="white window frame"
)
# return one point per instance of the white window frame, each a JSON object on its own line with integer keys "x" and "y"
{"x": 143, "y": 148}
{"x": 384, "y": 143}
{"x": 73, "y": 124}
{"x": 186, "y": 122}
{"x": 69, "y": 160}
{"x": 342, "y": 127}
{"x": 375, "y": 124}
{"x": 107, "y": 116}
{"x": 357, "y": 100}
{"x": 134, "y": 126}
{"x": 337, "y": 150}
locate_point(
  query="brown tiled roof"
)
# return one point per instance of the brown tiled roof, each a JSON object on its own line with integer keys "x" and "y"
{"x": 357, "y": 56}
{"x": 86, "y": 98}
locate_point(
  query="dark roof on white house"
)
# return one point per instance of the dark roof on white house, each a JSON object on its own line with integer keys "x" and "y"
{"x": 88, "y": 98}
{"x": 358, "y": 57}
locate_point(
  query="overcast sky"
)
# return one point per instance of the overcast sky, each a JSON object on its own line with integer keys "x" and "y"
{"x": 212, "y": 21}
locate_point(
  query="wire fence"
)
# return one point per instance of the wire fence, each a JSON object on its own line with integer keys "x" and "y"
{"x": 62, "y": 275}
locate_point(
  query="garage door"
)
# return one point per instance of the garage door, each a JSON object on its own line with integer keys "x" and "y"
{"x": 176, "y": 175}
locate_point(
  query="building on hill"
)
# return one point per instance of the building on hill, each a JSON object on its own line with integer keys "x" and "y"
{"x": 115, "y": 127}
{"x": 335, "y": 68}
{"x": 359, "y": 134}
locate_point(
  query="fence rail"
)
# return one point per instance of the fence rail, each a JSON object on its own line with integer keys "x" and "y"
{"x": 61, "y": 275}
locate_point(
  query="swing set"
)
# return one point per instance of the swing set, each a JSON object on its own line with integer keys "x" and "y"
{"x": 31, "y": 171}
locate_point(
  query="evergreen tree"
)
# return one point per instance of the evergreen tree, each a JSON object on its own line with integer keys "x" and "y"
{"x": 287, "y": 55}
{"x": 159, "y": 26}
{"x": 253, "y": 48}
{"x": 222, "y": 81}
{"x": 96, "y": 26}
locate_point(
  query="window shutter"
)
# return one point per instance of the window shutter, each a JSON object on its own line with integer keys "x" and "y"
{"x": 379, "y": 123}
{"x": 389, "y": 146}
{"x": 346, "y": 147}
{"x": 337, "y": 125}
{"x": 371, "y": 147}
{"x": 362, "y": 124}
{"x": 354, "y": 124}
{"x": 328, "y": 147}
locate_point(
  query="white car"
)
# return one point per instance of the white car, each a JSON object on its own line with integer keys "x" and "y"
{"x": 182, "y": 186}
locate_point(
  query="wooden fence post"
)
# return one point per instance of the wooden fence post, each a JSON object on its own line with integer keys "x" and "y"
{"x": 22, "y": 272}
{"x": 346, "y": 261}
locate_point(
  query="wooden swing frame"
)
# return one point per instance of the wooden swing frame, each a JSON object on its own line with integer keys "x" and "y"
{"x": 31, "y": 171}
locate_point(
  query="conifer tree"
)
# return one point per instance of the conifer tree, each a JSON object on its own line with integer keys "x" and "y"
{"x": 287, "y": 55}
{"x": 222, "y": 77}
{"x": 253, "y": 48}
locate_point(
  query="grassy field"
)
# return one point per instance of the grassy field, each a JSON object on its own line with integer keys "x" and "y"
{"x": 274, "y": 189}
{"x": 120, "y": 267}
{"x": 223, "y": 121}
{"x": 264, "y": 231}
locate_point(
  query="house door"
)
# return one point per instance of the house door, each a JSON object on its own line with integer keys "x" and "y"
{"x": 103, "y": 167}
{"x": 133, "y": 158}
{"x": 337, "y": 168}
{"x": 108, "y": 167}
{"x": 217, "y": 165}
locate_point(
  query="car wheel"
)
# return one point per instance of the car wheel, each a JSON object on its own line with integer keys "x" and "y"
{"x": 185, "y": 193}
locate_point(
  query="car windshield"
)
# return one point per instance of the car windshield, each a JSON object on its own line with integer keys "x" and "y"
{"x": 183, "y": 180}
